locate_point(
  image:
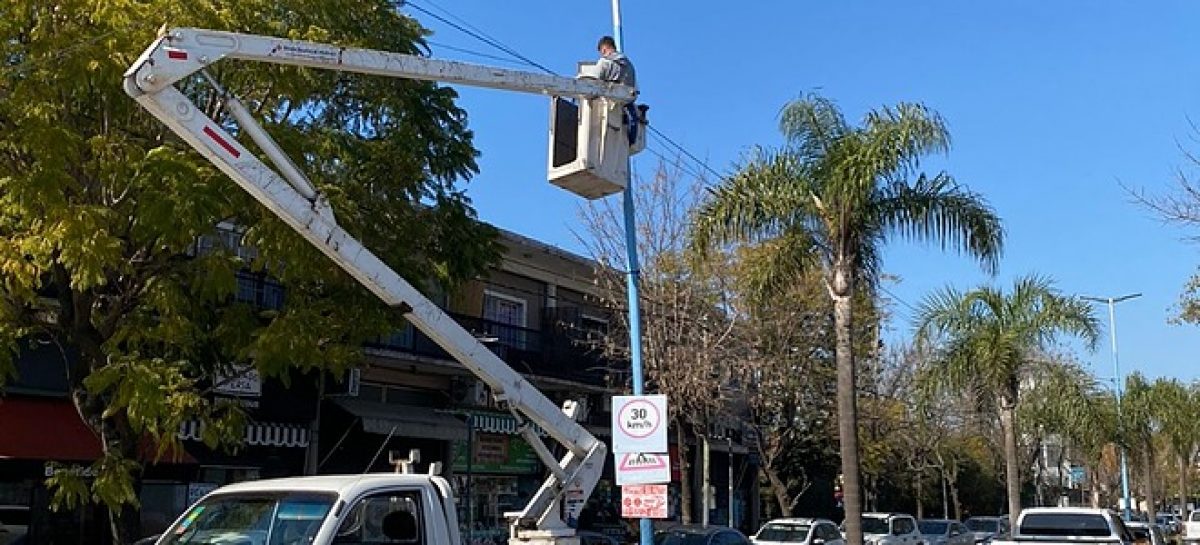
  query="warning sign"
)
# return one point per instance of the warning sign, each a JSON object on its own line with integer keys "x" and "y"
{"x": 644, "y": 501}
{"x": 642, "y": 468}
{"x": 639, "y": 423}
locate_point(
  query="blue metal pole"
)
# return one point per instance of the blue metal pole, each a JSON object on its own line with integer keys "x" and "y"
{"x": 632, "y": 277}
{"x": 1112, "y": 329}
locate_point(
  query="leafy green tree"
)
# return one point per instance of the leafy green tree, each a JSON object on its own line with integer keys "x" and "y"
{"x": 100, "y": 208}
{"x": 992, "y": 341}
{"x": 830, "y": 199}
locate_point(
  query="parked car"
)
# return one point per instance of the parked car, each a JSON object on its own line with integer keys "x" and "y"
{"x": 1191, "y": 528}
{"x": 1067, "y": 526}
{"x": 1144, "y": 533}
{"x": 944, "y": 532}
{"x": 14, "y": 523}
{"x": 806, "y": 531}
{"x": 694, "y": 534}
{"x": 890, "y": 529}
{"x": 1169, "y": 522}
{"x": 986, "y": 529}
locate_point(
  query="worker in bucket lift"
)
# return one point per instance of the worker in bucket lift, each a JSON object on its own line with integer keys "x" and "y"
{"x": 616, "y": 67}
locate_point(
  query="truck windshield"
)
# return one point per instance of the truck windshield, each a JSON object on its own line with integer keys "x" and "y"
{"x": 783, "y": 532}
{"x": 269, "y": 519}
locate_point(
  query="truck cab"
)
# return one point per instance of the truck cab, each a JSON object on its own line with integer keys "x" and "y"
{"x": 324, "y": 510}
{"x": 1067, "y": 526}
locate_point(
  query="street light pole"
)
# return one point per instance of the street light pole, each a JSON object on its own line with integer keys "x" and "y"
{"x": 1112, "y": 331}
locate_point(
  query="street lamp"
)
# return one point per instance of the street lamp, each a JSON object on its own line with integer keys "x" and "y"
{"x": 1112, "y": 331}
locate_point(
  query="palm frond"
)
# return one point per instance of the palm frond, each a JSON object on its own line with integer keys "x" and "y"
{"x": 897, "y": 137}
{"x": 938, "y": 210}
{"x": 766, "y": 197}
{"x": 812, "y": 125}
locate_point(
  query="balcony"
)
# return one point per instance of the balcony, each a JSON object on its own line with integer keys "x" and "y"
{"x": 558, "y": 350}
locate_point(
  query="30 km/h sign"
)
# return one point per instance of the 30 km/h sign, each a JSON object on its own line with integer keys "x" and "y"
{"x": 639, "y": 423}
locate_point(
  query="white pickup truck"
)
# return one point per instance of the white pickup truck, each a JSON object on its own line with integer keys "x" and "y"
{"x": 1067, "y": 526}
{"x": 324, "y": 510}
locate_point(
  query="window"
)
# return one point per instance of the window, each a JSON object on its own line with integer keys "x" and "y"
{"x": 903, "y": 525}
{"x": 783, "y": 532}
{"x": 594, "y": 327}
{"x": 271, "y": 519}
{"x": 388, "y": 517}
{"x": 1065, "y": 524}
{"x": 874, "y": 525}
{"x": 933, "y": 527}
{"x": 828, "y": 532}
{"x": 505, "y": 319}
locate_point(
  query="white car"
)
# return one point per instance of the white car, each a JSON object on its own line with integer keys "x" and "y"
{"x": 798, "y": 531}
{"x": 890, "y": 529}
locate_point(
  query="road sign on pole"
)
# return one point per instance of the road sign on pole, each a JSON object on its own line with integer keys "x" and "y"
{"x": 642, "y": 468}
{"x": 639, "y": 423}
{"x": 644, "y": 501}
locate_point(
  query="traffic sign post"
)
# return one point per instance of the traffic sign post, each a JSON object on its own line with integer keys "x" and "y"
{"x": 642, "y": 468}
{"x": 639, "y": 423}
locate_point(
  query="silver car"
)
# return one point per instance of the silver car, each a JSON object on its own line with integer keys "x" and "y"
{"x": 798, "y": 531}
{"x": 944, "y": 532}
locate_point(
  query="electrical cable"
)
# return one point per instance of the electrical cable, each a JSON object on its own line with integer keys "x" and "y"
{"x": 472, "y": 52}
{"x": 491, "y": 42}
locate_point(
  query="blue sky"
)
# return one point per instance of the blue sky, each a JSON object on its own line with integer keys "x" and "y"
{"x": 1052, "y": 107}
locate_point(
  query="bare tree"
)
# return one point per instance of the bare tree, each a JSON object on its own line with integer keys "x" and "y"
{"x": 684, "y": 322}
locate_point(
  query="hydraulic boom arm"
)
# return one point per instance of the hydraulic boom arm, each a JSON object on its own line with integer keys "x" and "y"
{"x": 181, "y": 53}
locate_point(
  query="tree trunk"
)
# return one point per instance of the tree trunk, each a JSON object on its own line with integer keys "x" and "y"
{"x": 685, "y": 482}
{"x": 1012, "y": 477}
{"x": 847, "y": 406}
{"x": 779, "y": 489}
{"x": 1148, "y": 476}
{"x": 1183, "y": 479}
{"x": 1093, "y": 477}
{"x": 917, "y": 489}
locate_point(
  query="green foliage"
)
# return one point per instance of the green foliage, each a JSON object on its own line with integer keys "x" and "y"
{"x": 100, "y": 209}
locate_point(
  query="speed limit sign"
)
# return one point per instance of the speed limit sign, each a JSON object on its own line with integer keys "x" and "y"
{"x": 639, "y": 423}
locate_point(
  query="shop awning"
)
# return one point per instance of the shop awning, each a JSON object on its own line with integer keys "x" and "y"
{"x": 500, "y": 423}
{"x": 40, "y": 428}
{"x": 267, "y": 434}
{"x": 45, "y": 429}
{"x": 405, "y": 420}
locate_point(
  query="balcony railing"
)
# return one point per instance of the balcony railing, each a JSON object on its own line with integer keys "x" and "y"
{"x": 556, "y": 351}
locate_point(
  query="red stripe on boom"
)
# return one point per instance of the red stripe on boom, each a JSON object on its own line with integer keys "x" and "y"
{"x": 222, "y": 142}
{"x": 177, "y": 54}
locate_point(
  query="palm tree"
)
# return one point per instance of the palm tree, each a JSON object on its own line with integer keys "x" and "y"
{"x": 831, "y": 198}
{"x": 989, "y": 340}
{"x": 1179, "y": 410}
{"x": 1139, "y": 419}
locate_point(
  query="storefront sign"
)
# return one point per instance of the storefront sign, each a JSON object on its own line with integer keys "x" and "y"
{"x": 243, "y": 382}
{"x": 51, "y": 469}
{"x": 648, "y": 501}
{"x": 639, "y": 423}
{"x": 195, "y": 491}
{"x": 496, "y": 454}
{"x": 642, "y": 468}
